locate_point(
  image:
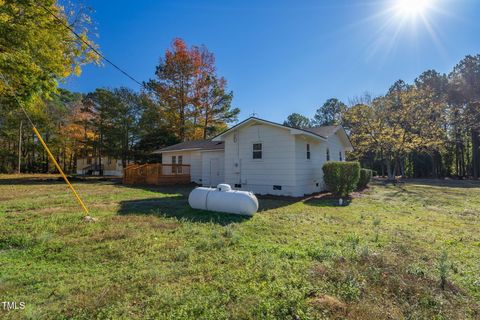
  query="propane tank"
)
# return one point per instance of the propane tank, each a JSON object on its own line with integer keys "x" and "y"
{"x": 223, "y": 199}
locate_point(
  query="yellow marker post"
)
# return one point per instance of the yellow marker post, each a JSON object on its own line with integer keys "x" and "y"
{"x": 60, "y": 170}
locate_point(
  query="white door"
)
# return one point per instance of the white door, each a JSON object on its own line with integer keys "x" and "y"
{"x": 215, "y": 177}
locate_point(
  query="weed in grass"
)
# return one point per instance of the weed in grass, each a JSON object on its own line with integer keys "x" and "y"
{"x": 365, "y": 252}
{"x": 417, "y": 270}
{"x": 376, "y": 227}
{"x": 443, "y": 267}
{"x": 352, "y": 240}
{"x": 228, "y": 231}
{"x": 321, "y": 254}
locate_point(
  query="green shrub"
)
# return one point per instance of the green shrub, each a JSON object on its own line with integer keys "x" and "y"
{"x": 341, "y": 178}
{"x": 365, "y": 177}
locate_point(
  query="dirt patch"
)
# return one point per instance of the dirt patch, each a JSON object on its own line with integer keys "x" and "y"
{"x": 329, "y": 304}
{"x": 112, "y": 234}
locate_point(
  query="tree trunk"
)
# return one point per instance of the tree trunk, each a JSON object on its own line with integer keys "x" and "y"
{"x": 205, "y": 125}
{"x": 47, "y": 158}
{"x": 390, "y": 169}
{"x": 434, "y": 165}
{"x": 475, "y": 154}
{"x": 20, "y": 149}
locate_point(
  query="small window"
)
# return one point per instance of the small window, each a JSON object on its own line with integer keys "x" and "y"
{"x": 89, "y": 160}
{"x": 238, "y": 185}
{"x": 277, "y": 187}
{"x": 340, "y": 156}
{"x": 308, "y": 151}
{"x": 257, "y": 151}
{"x": 328, "y": 154}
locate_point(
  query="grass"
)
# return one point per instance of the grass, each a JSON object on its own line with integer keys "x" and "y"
{"x": 386, "y": 255}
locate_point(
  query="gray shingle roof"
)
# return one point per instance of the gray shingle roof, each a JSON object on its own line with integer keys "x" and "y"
{"x": 267, "y": 121}
{"x": 194, "y": 145}
{"x": 324, "y": 131}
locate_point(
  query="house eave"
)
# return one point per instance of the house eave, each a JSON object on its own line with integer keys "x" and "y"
{"x": 186, "y": 149}
{"x": 293, "y": 131}
{"x": 176, "y": 150}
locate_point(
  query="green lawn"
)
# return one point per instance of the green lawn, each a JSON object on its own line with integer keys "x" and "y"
{"x": 150, "y": 256}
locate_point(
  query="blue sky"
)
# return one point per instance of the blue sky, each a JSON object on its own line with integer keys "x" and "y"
{"x": 281, "y": 57}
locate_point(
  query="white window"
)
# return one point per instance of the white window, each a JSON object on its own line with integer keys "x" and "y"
{"x": 328, "y": 154}
{"x": 257, "y": 151}
{"x": 308, "y": 151}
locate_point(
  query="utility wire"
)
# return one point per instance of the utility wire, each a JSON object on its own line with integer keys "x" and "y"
{"x": 89, "y": 45}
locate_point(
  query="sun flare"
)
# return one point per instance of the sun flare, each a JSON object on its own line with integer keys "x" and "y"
{"x": 412, "y": 8}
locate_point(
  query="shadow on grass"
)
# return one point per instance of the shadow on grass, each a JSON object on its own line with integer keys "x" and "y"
{"x": 266, "y": 203}
{"x": 176, "y": 206}
{"x": 449, "y": 183}
{"x": 53, "y": 179}
{"x": 327, "y": 202}
{"x": 327, "y": 199}
{"x": 322, "y": 199}
{"x": 184, "y": 189}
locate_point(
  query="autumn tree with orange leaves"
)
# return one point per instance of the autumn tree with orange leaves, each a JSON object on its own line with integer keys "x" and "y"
{"x": 193, "y": 98}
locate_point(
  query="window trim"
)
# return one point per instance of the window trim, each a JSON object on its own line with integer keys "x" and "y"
{"x": 340, "y": 158}
{"x": 308, "y": 152}
{"x": 328, "y": 154}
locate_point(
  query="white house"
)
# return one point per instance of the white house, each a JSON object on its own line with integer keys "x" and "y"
{"x": 263, "y": 157}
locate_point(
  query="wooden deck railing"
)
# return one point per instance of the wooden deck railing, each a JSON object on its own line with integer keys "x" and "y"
{"x": 157, "y": 174}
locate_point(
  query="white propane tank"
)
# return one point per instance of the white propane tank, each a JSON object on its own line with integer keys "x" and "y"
{"x": 223, "y": 199}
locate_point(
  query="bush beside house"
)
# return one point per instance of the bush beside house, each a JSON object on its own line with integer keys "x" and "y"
{"x": 365, "y": 177}
{"x": 341, "y": 177}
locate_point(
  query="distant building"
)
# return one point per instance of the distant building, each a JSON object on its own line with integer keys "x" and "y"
{"x": 90, "y": 166}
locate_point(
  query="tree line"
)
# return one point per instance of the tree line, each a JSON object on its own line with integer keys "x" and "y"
{"x": 185, "y": 100}
{"x": 429, "y": 128}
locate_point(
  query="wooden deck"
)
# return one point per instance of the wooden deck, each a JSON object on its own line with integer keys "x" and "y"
{"x": 157, "y": 174}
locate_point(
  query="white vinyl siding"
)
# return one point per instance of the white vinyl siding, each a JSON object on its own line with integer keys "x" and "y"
{"x": 335, "y": 145}
{"x": 307, "y": 170}
{"x": 207, "y": 158}
{"x": 276, "y": 167}
{"x": 309, "y": 173}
